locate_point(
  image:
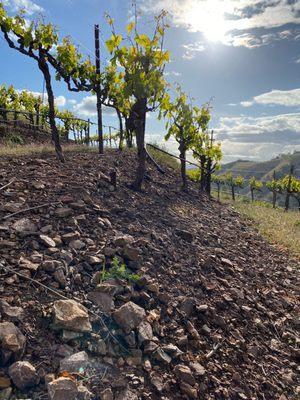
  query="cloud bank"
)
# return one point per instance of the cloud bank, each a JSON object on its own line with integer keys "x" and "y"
{"x": 286, "y": 98}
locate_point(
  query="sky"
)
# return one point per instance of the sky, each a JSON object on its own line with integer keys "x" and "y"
{"x": 242, "y": 55}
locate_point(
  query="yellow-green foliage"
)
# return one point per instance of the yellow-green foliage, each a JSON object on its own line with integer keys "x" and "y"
{"x": 194, "y": 174}
{"x": 255, "y": 184}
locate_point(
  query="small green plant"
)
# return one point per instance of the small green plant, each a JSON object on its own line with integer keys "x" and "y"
{"x": 13, "y": 139}
{"x": 118, "y": 271}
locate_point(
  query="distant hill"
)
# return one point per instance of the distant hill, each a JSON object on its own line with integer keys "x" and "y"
{"x": 264, "y": 170}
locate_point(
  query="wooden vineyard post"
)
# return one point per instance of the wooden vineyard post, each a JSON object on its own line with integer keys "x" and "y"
{"x": 98, "y": 89}
{"x": 110, "y": 139}
{"x": 88, "y": 132}
{"x": 219, "y": 189}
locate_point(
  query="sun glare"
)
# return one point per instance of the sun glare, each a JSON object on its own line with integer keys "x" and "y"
{"x": 209, "y": 18}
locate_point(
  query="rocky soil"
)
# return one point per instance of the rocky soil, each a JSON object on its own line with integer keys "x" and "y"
{"x": 212, "y": 313}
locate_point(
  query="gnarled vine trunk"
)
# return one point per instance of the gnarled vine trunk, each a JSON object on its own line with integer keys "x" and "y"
{"x": 208, "y": 177}
{"x": 139, "y": 114}
{"x": 182, "y": 152}
{"x": 233, "y": 192}
{"x": 129, "y": 138}
{"x": 202, "y": 173}
{"x": 274, "y": 199}
{"x": 43, "y": 66}
{"x": 121, "y": 139}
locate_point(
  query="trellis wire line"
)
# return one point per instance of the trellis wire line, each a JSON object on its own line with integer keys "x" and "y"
{"x": 88, "y": 49}
{"x": 248, "y": 197}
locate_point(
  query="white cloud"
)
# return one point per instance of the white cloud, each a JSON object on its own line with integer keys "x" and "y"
{"x": 259, "y": 137}
{"x": 287, "y": 98}
{"x": 260, "y": 125}
{"x": 227, "y": 21}
{"x": 252, "y": 41}
{"x": 60, "y": 101}
{"x": 173, "y": 73}
{"x": 251, "y": 151}
{"x": 192, "y": 49}
{"x": 27, "y": 5}
{"x": 88, "y": 108}
{"x": 246, "y": 103}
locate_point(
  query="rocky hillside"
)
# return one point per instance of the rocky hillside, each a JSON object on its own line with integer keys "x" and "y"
{"x": 203, "y": 309}
{"x": 21, "y": 134}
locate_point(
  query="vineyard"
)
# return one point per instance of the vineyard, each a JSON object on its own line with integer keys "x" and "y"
{"x": 287, "y": 187}
{"x": 23, "y": 114}
{"x": 124, "y": 272}
{"x": 133, "y": 85}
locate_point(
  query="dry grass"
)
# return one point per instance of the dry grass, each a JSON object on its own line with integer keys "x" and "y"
{"x": 40, "y": 149}
{"x": 162, "y": 158}
{"x": 279, "y": 227}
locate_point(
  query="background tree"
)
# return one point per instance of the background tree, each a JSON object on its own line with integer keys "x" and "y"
{"x": 35, "y": 40}
{"x": 254, "y": 185}
{"x": 66, "y": 117}
{"x": 201, "y": 141}
{"x": 291, "y": 186}
{"x": 234, "y": 183}
{"x": 6, "y": 98}
{"x": 295, "y": 189}
{"x": 275, "y": 187}
{"x": 205, "y": 149}
{"x": 219, "y": 180}
{"x": 141, "y": 65}
{"x": 180, "y": 125}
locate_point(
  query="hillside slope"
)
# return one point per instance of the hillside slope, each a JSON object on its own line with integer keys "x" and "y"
{"x": 264, "y": 170}
{"x": 213, "y": 315}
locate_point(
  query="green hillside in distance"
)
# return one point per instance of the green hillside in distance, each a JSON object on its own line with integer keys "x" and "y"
{"x": 264, "y": 170}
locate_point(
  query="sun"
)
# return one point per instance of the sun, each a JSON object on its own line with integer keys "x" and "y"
{"x": 215, "y": 29}
{"x": 209, "y": 18}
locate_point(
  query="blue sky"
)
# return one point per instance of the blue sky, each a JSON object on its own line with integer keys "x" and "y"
{"x": 244, "y": 54}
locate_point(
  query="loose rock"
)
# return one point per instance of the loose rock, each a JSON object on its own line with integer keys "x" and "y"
{"x": 62, "y": 389}
{"x": 12, "y": 341}
{"x": 72, "y": 316}
{"x": 129, "y": 316}
{"x": 76, "y": 363}
{"x": 23, "y": 375}
{"x": 47, "y": 241}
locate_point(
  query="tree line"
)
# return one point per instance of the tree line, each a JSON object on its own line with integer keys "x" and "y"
{"x": 289, "y": 186}
{"x": 132, "y": 83}
{"x": 24, "y": 105}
